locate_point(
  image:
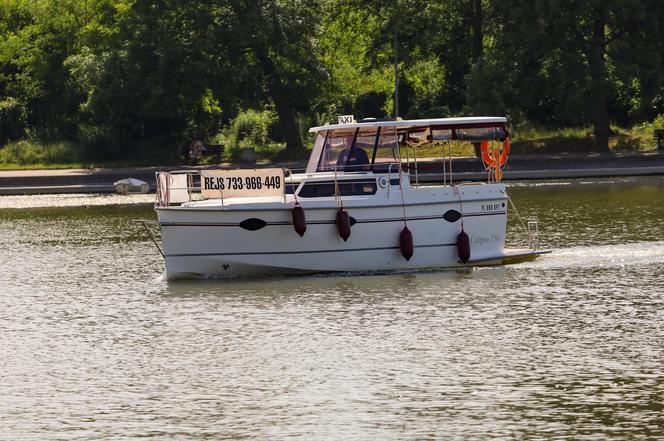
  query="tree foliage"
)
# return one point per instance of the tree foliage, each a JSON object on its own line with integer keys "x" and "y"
{"x": 113, "y": 75}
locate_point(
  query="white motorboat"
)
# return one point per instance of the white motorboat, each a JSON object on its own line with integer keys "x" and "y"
{"x": 357, "y": 207}
{"x": 131, "y": 185}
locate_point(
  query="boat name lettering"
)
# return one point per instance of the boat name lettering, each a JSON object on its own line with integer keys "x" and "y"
{"x": 482, "y": 240}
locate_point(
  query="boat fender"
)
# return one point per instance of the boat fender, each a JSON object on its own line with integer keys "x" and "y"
{"x": 463, "y": 246}
{"x": 343, "y": 224}
{"x": 299, "y": 219}
{"x": 406, "y": 243}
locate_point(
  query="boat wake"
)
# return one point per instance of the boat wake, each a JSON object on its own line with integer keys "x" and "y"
{"x": 602, "y": 256}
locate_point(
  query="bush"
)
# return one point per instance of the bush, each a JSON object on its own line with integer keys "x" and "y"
{"x": 30, "y": 152}
{"x": 13, "y": 120}
{"x": 658, "y": 123}
{"x": 252, "y": 129}
{"x": 627, "y": 143}
{"x": 101, "y": 142}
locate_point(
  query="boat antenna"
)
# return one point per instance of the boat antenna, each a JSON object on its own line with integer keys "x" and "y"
{"x": 396, "y": 62}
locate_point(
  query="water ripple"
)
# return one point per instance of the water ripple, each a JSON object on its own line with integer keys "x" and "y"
{"x": 94, "y": 344}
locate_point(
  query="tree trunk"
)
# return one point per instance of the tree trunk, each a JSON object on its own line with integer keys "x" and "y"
{"x": 599, "y": 84}
{"x": 281, "y": 97}
{"x": 476, "y": 24}
{"x": 251, "y": 16}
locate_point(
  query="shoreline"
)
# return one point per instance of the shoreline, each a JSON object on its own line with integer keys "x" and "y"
{"x": 519, "y": 167}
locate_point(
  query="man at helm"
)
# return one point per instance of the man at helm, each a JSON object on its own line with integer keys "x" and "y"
{"x": 352, "y": 157}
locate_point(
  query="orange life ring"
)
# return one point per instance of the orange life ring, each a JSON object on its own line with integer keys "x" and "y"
{"x": 488, "y": 157}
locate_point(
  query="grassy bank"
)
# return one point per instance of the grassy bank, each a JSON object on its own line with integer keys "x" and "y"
{"x": 529, "y": 140}
{"x": 30, "y": 154}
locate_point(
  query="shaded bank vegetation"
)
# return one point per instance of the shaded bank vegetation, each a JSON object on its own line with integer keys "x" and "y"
{"x": 136, "y": 80}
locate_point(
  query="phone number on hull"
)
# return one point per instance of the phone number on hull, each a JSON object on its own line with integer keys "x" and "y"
{"x": 242, "y": 183}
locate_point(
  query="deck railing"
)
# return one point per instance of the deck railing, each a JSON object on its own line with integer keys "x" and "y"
{"x": 180, "y": 186}
{"x": 175, "y": 187}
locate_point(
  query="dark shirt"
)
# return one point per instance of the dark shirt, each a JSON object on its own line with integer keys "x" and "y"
{"x": 357, "y": 160}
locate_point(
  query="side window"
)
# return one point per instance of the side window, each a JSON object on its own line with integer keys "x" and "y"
{"x": 357, "y": 187}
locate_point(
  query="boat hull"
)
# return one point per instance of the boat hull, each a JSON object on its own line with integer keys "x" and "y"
{"x": 259, "y": 241}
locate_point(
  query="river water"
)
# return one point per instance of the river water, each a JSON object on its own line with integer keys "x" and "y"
{"x": 94, "y": 344}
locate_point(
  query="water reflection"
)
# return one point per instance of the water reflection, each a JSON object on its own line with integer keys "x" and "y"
{"x": 93, "y": 343}
{"x": 594, "y": 213}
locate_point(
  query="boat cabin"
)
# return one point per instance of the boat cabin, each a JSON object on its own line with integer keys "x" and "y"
{"x": 348, "y": 159}
{"x": 376, "y": 146}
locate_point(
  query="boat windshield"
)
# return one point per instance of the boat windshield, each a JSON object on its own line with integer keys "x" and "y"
{"x": 375, "y": 147}
{"x": 358, "y": 149}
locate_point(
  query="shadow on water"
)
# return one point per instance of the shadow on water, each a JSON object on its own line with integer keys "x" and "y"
{"x": 311, "y": 284}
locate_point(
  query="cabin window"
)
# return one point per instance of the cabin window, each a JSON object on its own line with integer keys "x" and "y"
{"x": 362, "y": 149}
{"x": 376, "y": 148}
{"x": 347, "y": 150}
{"x": 386, "y": 151}
{"x": 335, "y": 142}
{"x": 356, "y": 187}
{"x": 316, "y": 152}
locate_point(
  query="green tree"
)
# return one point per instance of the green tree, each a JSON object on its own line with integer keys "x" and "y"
{"x": 37, "y": 37}
{"x": 595, "y": 30}
{"x": 279, "y": 36}
{"x": 116, "y": 74}
{"x": 358, "y": 80}
{"x": 152, "y": 77}
{"x": 569, "y": 63}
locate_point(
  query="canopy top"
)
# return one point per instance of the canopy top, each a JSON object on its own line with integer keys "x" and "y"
{"x": 440, "y": 123}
